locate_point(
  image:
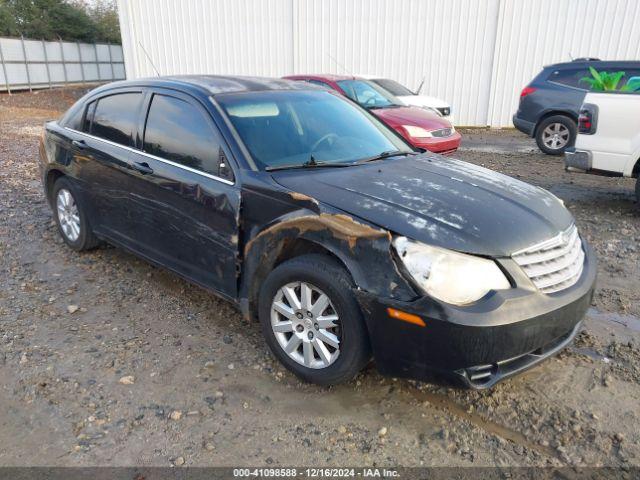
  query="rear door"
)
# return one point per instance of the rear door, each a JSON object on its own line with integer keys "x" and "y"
{"x": 183, "y": 187}
{"x": 101, "y": 149}
{"x": 565, "y": 91}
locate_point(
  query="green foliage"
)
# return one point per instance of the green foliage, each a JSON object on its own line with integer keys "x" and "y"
{"x": 72, "y": 20}
{"x": 105, "y": 16}
{"x": 608, "y": 82}
{"x": 633, "y": 85}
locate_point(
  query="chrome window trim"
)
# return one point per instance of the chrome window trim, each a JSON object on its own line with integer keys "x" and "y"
{"x": 163, "y": 160}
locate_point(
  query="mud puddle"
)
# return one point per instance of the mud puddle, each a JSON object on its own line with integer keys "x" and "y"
{"x": 629, "y": 321}
{"x": 591, "y": 353}
{"x": 447, "y": 405}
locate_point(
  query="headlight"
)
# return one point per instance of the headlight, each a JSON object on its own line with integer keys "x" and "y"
{"x": 416, "y": 132}
{"x": 447, "y": 275}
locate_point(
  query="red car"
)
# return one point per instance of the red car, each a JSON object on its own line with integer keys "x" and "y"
{"x": 420, "y": 127}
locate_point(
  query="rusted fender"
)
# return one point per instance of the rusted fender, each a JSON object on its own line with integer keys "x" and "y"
{"x": 365, "y": 250}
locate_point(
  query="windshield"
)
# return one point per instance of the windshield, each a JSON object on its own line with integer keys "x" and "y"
{"x": 393, "y": 87}
{"x": 367, "y": 94}
{"x": 286, "y": 128}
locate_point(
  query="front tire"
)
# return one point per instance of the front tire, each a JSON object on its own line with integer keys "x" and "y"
{"x": 311, "y": 320}
{"x": 554, "y": 134}
{"x": 638, "y": 191}
{"x": 71, "y": 217}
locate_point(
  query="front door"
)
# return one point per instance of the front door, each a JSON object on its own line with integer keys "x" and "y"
{"x": 186, "y": 201}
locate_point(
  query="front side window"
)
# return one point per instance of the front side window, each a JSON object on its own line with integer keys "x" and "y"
{"x": 282, "y": 128}
{"x": 393, "y": 87}
{"x": 630, "y": 81}
{"x": 178, "y": 131}
{"x": 626, "y": 80}
{"x": 367, "y": 94}
{"x": 116, "y": 117}
{"x": 609, "y": 79}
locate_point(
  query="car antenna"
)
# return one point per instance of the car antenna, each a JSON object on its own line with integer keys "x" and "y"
{"x": 420, "y": 86}
{"x": 149, "y": 58}
{"x": 571, "y": 56}
{"x": 340, "y": 65}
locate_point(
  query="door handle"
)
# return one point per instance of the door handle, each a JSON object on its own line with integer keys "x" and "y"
{"x": 79, "y": 143}
{"x": 142, "y": 167}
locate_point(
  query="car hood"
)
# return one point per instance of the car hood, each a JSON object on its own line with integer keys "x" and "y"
{"x": 442, "y": 202}
{"x": 423, "y": 101}
{"x": 419, "y": 117}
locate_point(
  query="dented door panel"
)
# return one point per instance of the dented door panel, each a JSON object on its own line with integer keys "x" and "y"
{"x": 187, "y": 222}
{"x": 102, "y": 170}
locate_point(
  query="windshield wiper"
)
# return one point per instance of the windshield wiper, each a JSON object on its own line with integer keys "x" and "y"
{"x": 311, "y": 163}
{"x": 383, "y": 155}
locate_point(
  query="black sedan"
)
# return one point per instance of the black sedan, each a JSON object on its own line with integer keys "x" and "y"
{"x": 316, "y": 219}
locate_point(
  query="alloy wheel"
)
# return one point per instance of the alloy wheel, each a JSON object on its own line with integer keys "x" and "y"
{"x": 306, "y": 325}
{"x": 555, "y": 136}
{"x": 68, "y": 214}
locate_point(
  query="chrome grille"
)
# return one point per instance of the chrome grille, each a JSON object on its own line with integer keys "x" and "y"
{"x": 554, "y": 264}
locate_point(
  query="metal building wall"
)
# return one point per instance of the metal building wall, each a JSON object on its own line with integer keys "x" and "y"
{"x": 477, "y": 54}
{"x": 449, "y": 43}
{"x": 244, "y": 37}
{"x": 542, "y": 32}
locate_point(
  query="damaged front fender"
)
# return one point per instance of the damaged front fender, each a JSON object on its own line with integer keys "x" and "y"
{"x": 364, "y": 250}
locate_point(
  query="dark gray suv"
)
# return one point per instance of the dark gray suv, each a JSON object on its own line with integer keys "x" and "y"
{"x": 549, "y": 105}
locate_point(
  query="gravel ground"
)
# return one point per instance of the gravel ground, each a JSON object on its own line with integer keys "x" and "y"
{"x": 106, "y": 360}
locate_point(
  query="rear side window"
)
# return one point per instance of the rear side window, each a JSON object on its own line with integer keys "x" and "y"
{"x": 116, "y": 117}
{"x": 86, "y": 123}
{"x": 393, "y": 87}
{"x": 178, "y": 131}
{"x": 319, "y": 83}
{"x": 75, "y": 120}
{"x": 570, "y": 78}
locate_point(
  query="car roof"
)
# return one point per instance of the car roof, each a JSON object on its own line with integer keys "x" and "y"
{"x": 323, "y": 76}
{"x": 213, "y": 84}
{"x": 601, "y": 63}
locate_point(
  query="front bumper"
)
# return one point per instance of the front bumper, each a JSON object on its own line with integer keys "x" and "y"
{"x": 577, "y": 160}
{"x": 498, "y": 336}
{"x": 442, "y": 145}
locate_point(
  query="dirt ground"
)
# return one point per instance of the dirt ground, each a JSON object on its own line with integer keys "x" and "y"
{"x": 106, "y": 360}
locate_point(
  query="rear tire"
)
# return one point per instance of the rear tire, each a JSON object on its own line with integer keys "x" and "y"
{"x": 71, "y": 216}
{"x": 638, "y": 191}
{"x": 554, "y": 134}
{"x": 322, "y": 345}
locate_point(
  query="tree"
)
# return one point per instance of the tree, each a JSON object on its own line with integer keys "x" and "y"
{"x": 105, "y": 16}
{"x": 53, "y": 19}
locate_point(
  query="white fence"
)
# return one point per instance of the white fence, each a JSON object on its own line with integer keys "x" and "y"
{"x": 30, "y": 64}
{"x": 476, "y": 54}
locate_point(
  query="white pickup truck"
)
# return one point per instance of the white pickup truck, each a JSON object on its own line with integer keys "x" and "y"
{"x": 608, "y": 141}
